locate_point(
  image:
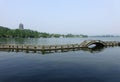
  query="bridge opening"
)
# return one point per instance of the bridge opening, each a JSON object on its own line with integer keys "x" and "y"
{"x": 96, "y": 45}
{"x": 119, "y": 44}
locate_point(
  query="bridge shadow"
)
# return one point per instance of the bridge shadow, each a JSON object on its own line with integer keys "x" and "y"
{"x": 90, "y": 50}
{"x": 96, "y": 49}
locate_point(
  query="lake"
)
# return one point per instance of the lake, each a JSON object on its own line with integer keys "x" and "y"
{"x": 73, "y": 66}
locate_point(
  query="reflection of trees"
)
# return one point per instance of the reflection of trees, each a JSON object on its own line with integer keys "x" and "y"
{"x": 12, "y": 40}
{"x": 3, "y": 40}
{"x": 20, "y": 40}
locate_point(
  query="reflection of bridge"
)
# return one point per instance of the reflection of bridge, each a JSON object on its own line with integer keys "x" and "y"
{"x": 85, "y": 44}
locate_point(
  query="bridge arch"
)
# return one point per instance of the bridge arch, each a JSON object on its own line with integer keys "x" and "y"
{"x": 97, "y": 43}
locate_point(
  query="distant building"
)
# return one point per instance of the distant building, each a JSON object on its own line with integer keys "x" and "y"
{"x": 21, "y": 26}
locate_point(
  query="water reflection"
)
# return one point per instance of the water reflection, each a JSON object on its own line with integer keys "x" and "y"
{"x": 19, "y": 40}
{"x": 96, "y": 49}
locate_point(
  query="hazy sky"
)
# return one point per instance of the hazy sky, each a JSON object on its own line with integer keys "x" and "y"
{"x": 92, "y": 17}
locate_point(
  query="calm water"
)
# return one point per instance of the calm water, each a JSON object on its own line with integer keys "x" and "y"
{"x": 73, "y": 66}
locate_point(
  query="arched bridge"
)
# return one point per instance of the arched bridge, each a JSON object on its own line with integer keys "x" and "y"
{"x": 43, "y": 48}
{"x": 97, "y": 43}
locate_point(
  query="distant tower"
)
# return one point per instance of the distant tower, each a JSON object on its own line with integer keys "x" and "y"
{"x": 21, "y": 26}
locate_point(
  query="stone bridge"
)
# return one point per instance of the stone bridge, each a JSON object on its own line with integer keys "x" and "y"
{"x": 85, "y": 44}
{"x": 99, "y": 43}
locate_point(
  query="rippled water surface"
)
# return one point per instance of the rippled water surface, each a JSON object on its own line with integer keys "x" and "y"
{"x": 72, "y": 66}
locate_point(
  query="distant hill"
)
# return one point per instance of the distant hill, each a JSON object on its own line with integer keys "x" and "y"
{"x": 4, "y": 28}
{"x": 27, "y": 33}
{"x": 17, "y": 33}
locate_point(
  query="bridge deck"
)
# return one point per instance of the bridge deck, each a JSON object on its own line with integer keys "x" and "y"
{"x": 56, "y": 47}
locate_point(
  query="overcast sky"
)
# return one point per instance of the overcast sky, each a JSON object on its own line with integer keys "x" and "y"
{"x": 91, "y": 17}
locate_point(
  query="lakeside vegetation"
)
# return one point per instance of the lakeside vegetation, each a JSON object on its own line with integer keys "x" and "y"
{"x": 27, "y": 33}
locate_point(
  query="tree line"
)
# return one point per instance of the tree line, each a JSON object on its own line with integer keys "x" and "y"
{"x": 27, "y": 33}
